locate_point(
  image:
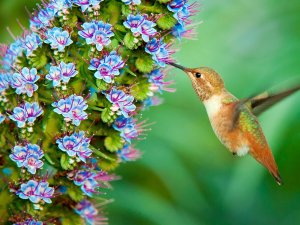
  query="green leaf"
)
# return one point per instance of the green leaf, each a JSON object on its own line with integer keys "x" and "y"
{"x": 164, "y": 1}
{"x": 129, "y": 41}
{"x": 75, "y": 193}
{"x": 113, "y": 142}
{"x": 125, "y": 10}
{"x": 73, "y": 219}
{"x": 101, "y": 154}
{"x": 101, "y": 85}
{"x": 39, "y": 58}
{"x": 120, "y": 28}
{"x": 144, "y": 63}
{"x": 105, "y": 115}
{"x": 140, "y": 91}
{"x": 64, "y": 162}
{"x": 167, "y": 21}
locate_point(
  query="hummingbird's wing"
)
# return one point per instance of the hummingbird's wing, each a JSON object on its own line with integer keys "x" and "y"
{"x": 262, "y": 102}
{"x": 259, "y": 103}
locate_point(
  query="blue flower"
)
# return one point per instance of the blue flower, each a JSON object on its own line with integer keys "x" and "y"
{"x": 67, "y": 71}
{"x": 76, "y": 144}
{"x": 60, "y": 5}
{"x": 97, "y": 33}
{"x": 36, "y": 191}
{"x": 139, "y": 25}
{"x": 58, "y": 38}
{"x": 159, "y": 51}
{"x": 28, "y": 156}
{"x": 88, "y": 212}
{"x": 72, "y": 108}
{"x": 54, "y": 76}
{"x": 4, "y": 81}
{"x": 182, "y": 10}
{"x": 84, "y": 4}
{"x": 24, "y": 82}
{"x": 31, "y": 43}
{"x": 151, "y": 101}
{"x": 87, "y": 181}
{"x": 134, "y": 23}
{"x": 29, "y": 222}
{"x": 156, "y": 79}
{"x": 128, "y": 128}
{"x": 108, "y": 67}
{"x": 128, "y": 153}
{"x": 2, "y": 118}
{"x": 42, "y": 18}
{"x": 121, "y": 101}
{"x": 26, "y": 112}
{"x": 12, "y": 52}
{"x": 132, "y": 2}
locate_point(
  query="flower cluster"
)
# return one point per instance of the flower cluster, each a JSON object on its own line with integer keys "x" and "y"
{"x": 58, "y": 38}
{"x": 36, "y": 191}
{"x": 88, "y": 212}
{"x": 97, "y": 33}
{"x": 76, "y": 144}
{"x": 121, "y": 102}
{"x": 160, "y": 51}
{"x": 27, "y": 112}
{"x": 72, "y": 109}
{"x": 24, "y": 81}
{"x": 72, "y": 91}
{"x": 139, "y": 25}
{"x": 63, "y": 72}
{"x": 28, "y": 156}
{"x": 108, "y": 67}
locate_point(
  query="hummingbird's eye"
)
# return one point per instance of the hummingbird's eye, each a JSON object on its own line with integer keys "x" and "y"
{"x": 198, "y": 75}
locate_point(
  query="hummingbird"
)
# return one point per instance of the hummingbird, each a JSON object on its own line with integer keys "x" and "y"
{"x": 234, "y": 120}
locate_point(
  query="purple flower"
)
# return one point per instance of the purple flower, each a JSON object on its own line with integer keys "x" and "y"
{"x": 84, "y": 4}
{"x": 128, "y": 153}
{"x": 148, "y": 30}
{"x": 29, "y": 222}
{"x": 151, "y": 101}
{"x": 36, "y": 191}
{"x": 27, "y": 156}
{"x": 24, "y": 82}
{"x": 108, "y": 67}
{"x": 31, "y": 43}
{"x": 27, "y": 112}
{"x": 97, "y": 33}
{"x": 58, "y": 38}
{"x": 121, "y": 101}
{"x": 72, "y": 108}
{"x": 132, "y": 2}
{"x": 76, "y": 144}
{"x": 160, "y": 51}
{"x": 12, "y": 52}
{"x": 88, "y": 212}
{"x": 156, "y": 79}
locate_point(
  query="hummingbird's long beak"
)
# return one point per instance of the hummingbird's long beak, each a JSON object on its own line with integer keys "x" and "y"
{"x": 179, "y": 67}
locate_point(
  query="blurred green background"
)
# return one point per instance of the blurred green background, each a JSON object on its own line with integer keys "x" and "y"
{"x": 186, "y": 176}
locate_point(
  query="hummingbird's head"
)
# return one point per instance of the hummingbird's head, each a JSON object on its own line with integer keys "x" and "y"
{"x": 206, "y": 81}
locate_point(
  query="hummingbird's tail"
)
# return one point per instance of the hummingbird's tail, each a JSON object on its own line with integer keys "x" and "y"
{"x": 265, "y": 157}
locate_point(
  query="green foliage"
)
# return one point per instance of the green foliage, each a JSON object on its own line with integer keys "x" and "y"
{"x": 167, "y": 21}
{"x": 113, "y": 142}
{"x": 129, "y": 41}
{"x": 144, "y": 63}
